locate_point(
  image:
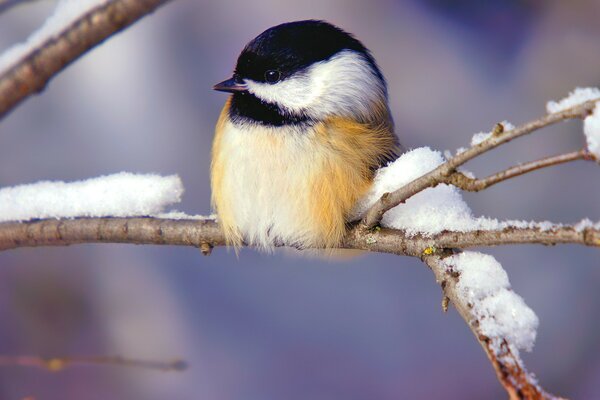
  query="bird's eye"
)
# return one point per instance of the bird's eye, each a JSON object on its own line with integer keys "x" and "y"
{"x": 272, "y": 76}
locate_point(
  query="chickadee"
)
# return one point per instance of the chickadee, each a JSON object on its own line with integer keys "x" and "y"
{"x": 299, "y": 139}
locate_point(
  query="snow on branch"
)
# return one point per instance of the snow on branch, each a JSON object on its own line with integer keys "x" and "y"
{"x": 502, "y": 315}
{"x": 502, "y": 324}
{"x": 118, "y": 195}
{"x": 591, "y": 128}
{"x": 74, "y": 28}
{"x": 440, "y": 208}
{"x": 575, "y": 98}
{"x": 591, "y": 123}
{"x": 65, "y": 14}
{"x": 443, "y": 173}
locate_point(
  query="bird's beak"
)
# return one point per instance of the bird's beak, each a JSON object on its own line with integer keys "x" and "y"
{"x": 231, "y": 85}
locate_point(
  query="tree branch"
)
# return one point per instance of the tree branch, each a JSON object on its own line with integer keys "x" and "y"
{"x": 441, "y": 173}
{"x": 31, "y": 74}
{"x": 508, "y": 366}
{"x": 55, "y": 364}
{"x": 207, "y": 234}
{"x": 464, "y": 182}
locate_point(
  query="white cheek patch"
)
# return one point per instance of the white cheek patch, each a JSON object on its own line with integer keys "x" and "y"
{"x": 294, "y": 93}
{"x": 342, "y": 85}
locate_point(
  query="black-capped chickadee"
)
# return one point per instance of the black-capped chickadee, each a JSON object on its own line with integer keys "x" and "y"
{"x": 299, "y": 139}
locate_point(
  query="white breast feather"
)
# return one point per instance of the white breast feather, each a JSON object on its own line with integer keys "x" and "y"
{"x": 265, "y": 179}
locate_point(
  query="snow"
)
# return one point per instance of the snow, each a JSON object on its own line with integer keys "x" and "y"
{"x": 65, "y": 13}
{"x": 500, "y": 312}
{"x": 591, "y": 130}
{"x": 586, "y": 224}
{"x": 576, "y": 97}
{"x": 480, "y": 137}
{"x": 178, "y": 215}
{"x": 460, "y": 150}
{"x": 591, "y": 124}
{"x": 433, "y": 210}
{"x": 483, "y": 136}
{"x": 118, "y": 195}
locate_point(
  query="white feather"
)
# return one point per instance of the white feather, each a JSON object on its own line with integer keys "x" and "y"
{"x": 344, "y": 85}
{"x": 266, "y": 178}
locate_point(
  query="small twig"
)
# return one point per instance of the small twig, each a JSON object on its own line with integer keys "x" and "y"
{"x": 206, "y": 248}
{"x": 464, "y": 182}
{"x": 441, "y": 173}
{"x": 445, "y": 303}
{"x": 31, "y": 74}
{"x": 55, "y": 364}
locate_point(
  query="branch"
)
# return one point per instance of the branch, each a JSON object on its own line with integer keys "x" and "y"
{"x": 31, "y": 74}
{"x": 206, "y": 234}
{"x": 55, "y": 364}
{"x": 508, "y": 366}
{"x": 444, "y": 171}
{"x": 464, "y": 182}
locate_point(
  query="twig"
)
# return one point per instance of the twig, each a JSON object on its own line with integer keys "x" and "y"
{"x": 32, "y": 73}
{"x": 441, "y": 173}
{"x": 464, "y": 182}
{"x": 55, "y": 364}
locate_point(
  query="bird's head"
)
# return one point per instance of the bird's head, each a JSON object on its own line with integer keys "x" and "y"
{"x": 304, "y": 71}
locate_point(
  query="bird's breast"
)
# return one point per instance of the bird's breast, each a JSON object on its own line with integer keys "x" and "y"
{"x": 292, "y": 185}
{"x": 265, "y": 185}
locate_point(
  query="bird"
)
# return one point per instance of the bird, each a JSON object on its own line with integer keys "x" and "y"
{"x": 300, "y": 137}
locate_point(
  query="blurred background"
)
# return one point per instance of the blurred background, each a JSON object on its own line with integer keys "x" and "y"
{"x": 264, "y": 326}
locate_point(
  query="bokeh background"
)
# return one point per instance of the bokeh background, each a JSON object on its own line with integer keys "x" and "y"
{"x": 276, "y": 326}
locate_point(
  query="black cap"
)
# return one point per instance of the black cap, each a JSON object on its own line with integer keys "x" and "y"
{"x": 293, "y": 46}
